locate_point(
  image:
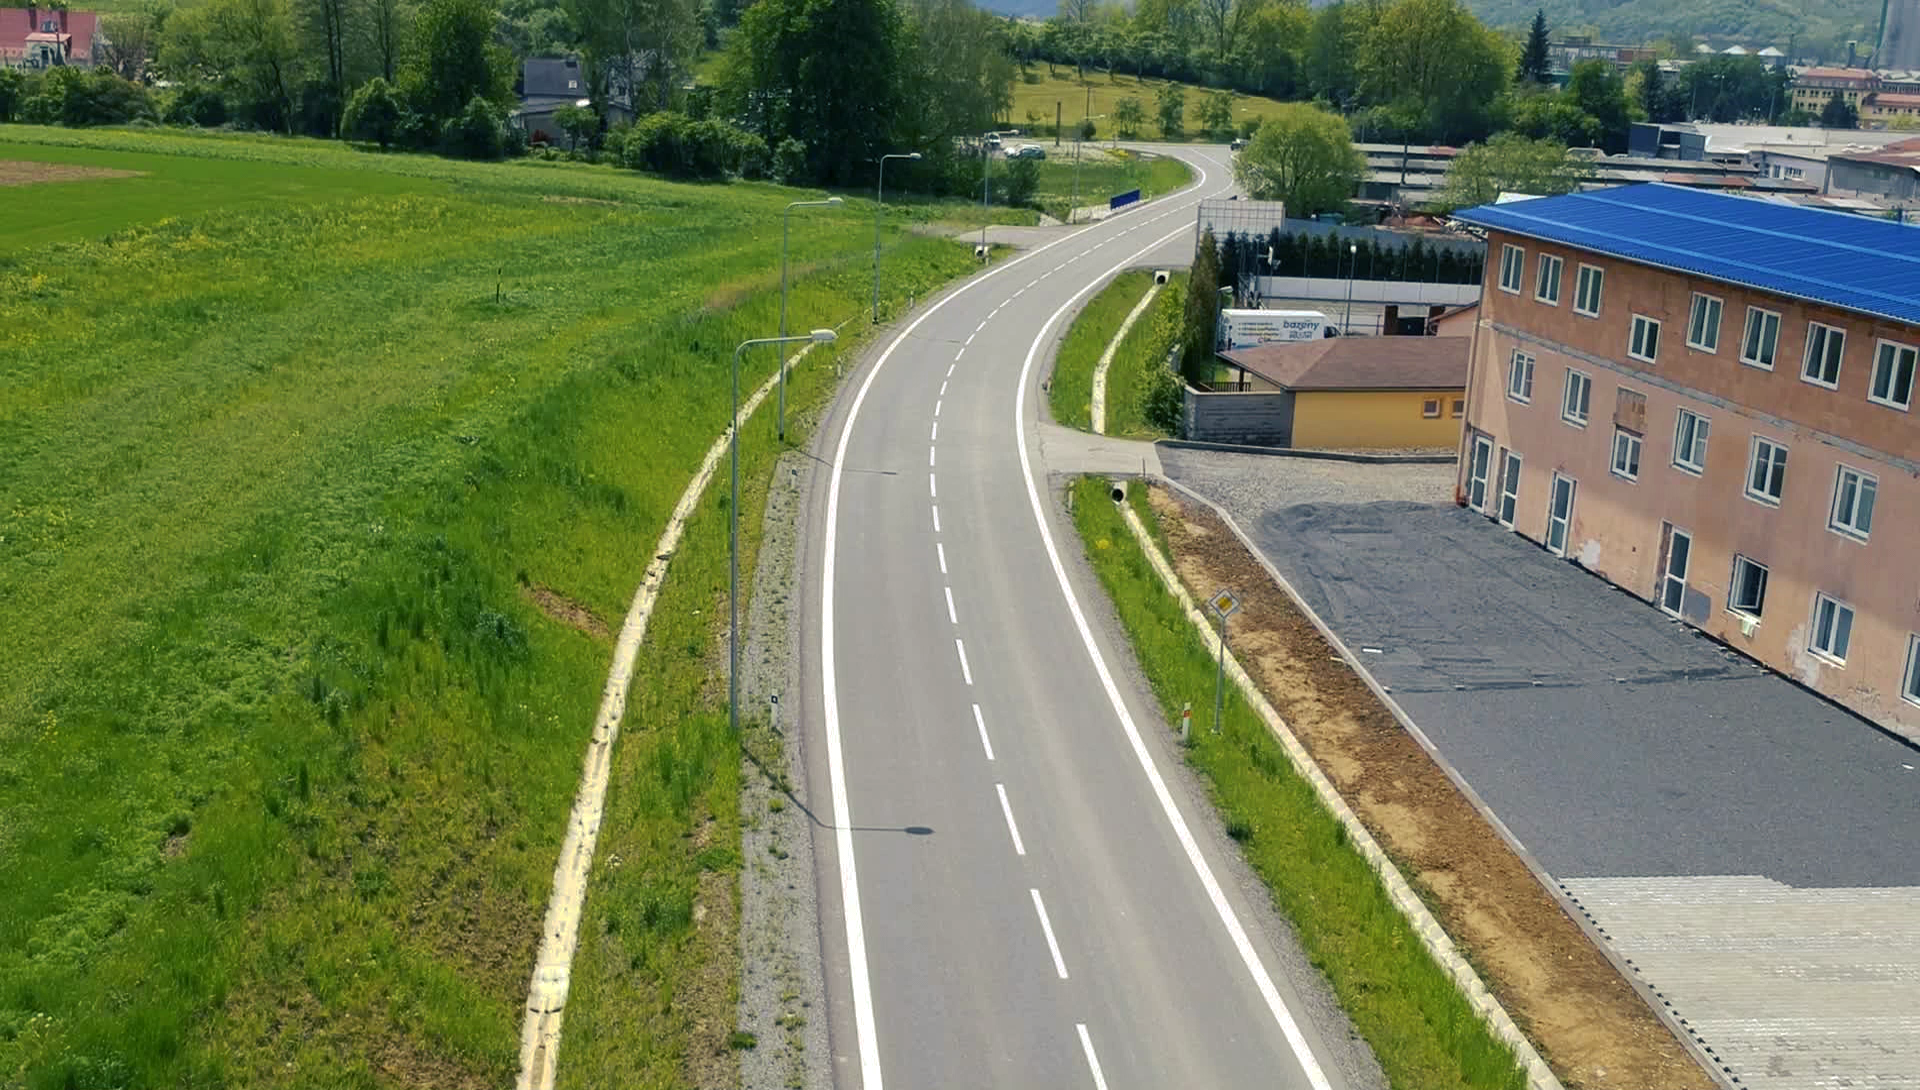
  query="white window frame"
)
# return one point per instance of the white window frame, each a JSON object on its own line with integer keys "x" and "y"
{"x": 1577, "y": 416}
{"x": 1741, "y": 561}
{"x": 1512, "y": 259}
{"x": 1580, "y": 283}
{"x": 1542, "y": 281}
{"x": 1806, "y": 355}
{"x": 1815, "y": 638}
{"x": 1684, "y": 459}
{"x": 1719, "y": 310}
{"x": 1635, "y": 342}
{"x": 1910, "y": 684}
{"x": 1766, "y": 499}
{"x": 1667, "y": 577}
{"x": 1479, "y": 471}
{"x": 1518, "y": 390}
{"x": 1507, "y": 505}
{"x": 1633, "y": 446}
{"x": 1880, "y": 352}
{"x": 1761, "y": 314}
{"x": 1459, "y": 408}
{"x": 1865, "y": 484}
{"x": 1430, "y": 408}
{"x": 1566, "y": 523}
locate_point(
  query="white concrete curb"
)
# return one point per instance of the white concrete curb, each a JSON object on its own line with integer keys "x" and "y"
{"x": 1432, "y": 935}
{"x": 1100, "y": 371}
{"x": 553, "y": 966}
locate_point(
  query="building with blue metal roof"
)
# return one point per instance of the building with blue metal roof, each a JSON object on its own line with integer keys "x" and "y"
{"x": 1710, "y": 401}
{"x": 1854, "y": 262}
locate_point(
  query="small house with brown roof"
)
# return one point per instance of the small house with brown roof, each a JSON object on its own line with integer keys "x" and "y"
{"x": 1359, "y": 393}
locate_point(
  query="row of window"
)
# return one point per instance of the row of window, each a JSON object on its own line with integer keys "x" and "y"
{"x": 1854, "y": 491}
{"x": 1830, "y": 632}
{"x": 1894, "y": 363}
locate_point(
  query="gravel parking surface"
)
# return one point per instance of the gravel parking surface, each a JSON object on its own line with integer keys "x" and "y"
{"x": 1256, "y": 482}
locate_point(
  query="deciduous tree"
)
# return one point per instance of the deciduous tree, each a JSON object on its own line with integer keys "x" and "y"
{"x": 1509, "y": 163}
{"x": 1128, "y": 115}
{"x": 1171, "y": 107}
{"x": 456, "y": 60}
{"x": 1437, "y": 55}
{"x": 1303, "y": 157}
{"x": 826, "y": 72}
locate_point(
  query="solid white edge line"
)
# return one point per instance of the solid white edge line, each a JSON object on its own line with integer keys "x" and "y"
{"x": 981, "y": 722}
{"x": 1007, "y": 809}
{"x": 1276, "y": 1006}
{"x": 966, "y": 672}
{"x": 942, "y": 550}
{"x": 1093, "y": 1062}
{"x": 866, "y": 1042}
{"x": 952, "y": 617}
{"x": 1046, "y": 928}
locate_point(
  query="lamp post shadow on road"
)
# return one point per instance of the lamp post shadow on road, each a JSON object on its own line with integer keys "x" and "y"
{"x": 879, "y": 203}
{"x": 786, "y": 218}
{"x": 818, "y": 336}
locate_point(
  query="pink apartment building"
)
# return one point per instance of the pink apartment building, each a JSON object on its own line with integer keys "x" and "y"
{"x": 1708, "y": 400}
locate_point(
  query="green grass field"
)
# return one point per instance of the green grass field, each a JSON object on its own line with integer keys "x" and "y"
{"x": 318, "y": 470}
{"x": 1103, "y": 174}
{"x": 1037, "y": 95}
{"x": 1141, "y": 357}
{"x": 1422, "y": 1030}
{"x": 1070, "y": 389}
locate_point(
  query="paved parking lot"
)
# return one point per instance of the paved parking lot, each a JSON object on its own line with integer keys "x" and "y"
{"x": 1751, "y": 847}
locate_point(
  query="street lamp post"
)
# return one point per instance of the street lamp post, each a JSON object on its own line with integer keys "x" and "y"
{"x": 986, "y": 196}
{"x": 879, "y": 200}
{"x": 786, "y": 218}
{"x": 1353, "y": 256}
{"x": 818, "y": 336}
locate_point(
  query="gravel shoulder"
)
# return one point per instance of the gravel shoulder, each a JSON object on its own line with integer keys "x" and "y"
{"x": 782, "y": 991}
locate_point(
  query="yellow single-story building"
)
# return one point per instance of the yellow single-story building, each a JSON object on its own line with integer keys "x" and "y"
{"x": 1361, "y": 393}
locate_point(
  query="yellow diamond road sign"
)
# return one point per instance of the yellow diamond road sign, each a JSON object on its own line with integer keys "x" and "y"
{"x": 1224, "y": 603}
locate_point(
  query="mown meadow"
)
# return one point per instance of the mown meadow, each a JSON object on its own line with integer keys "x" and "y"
{"x": 323, "y": 476}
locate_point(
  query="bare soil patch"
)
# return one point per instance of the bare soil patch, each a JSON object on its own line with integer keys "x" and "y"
{"x": 27, "y": 172}
{"x": 567, "y": 611}
{"x": 1587, "y": 1021}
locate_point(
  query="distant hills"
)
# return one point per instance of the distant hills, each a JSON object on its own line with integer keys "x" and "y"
{"x": 1817, "y": 28}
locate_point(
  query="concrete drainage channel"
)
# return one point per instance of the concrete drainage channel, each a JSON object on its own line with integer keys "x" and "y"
{"x": 560, "y": 932}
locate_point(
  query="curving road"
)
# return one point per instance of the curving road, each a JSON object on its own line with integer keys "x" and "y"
{"x": 1013, "y": 892}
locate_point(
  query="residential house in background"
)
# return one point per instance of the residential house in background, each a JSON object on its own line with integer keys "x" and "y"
{"x": 548, "y": 83}
{"x": 1709, "y": 402}
{"x": 1353, "y": 393}
{"x": 37, "y": 37}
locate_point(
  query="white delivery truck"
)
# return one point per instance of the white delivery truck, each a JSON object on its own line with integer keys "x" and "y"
{"x": 1246, "y": 328}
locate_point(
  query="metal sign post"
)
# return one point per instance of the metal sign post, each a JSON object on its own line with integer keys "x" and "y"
{"x": 1224, "y": 605}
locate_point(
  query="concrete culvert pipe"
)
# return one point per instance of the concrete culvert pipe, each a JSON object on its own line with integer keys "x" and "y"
{"x": 1119, "y": 492}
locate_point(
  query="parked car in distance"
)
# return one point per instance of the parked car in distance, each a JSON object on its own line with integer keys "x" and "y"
{"x": 1238, "y": 143}
{"x": 1028, "y": 151}
{"x": 993, "y": 139}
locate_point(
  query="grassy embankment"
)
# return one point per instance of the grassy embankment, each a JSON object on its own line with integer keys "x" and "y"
{"x": 314, "y": 515}
{"x": 1039, "y": 92}
{"x": 1404, "y": 1005}
{"x": 1070, "y": 390}
{"x": 1105, "y": 173}
{"x": 1142, "y": 351}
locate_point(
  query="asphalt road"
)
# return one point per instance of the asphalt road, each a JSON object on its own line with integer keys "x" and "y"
{"x": 1016, "y": 888}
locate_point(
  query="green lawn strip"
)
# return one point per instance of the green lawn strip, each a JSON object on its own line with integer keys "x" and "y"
{"x": 1036, "y": 93}
{"x": 1070, "y": 390}
{"x": 286, "y": 747}
{"x": 670, "y": 838}
{"x": 1425, "y": 1034}
{"x": 1142, "y": 355}
{"x": 1106, "y": 174}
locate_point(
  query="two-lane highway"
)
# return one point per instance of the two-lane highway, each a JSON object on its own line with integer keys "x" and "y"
{"x": 1013, "y": 894}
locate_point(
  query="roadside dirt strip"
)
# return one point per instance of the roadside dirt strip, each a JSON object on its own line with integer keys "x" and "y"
{"x": 1587, "y": 1021}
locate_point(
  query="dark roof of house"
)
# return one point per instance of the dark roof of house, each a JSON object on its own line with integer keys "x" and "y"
{"x": 1857, "y": 263}
{"x": 553, "y": 77}
{"x": 1358, "y": 363}
{"x": 17, "y": 24}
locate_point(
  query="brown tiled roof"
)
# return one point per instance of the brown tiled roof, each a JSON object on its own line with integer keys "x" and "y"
{"x": 1359, "y": 363}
